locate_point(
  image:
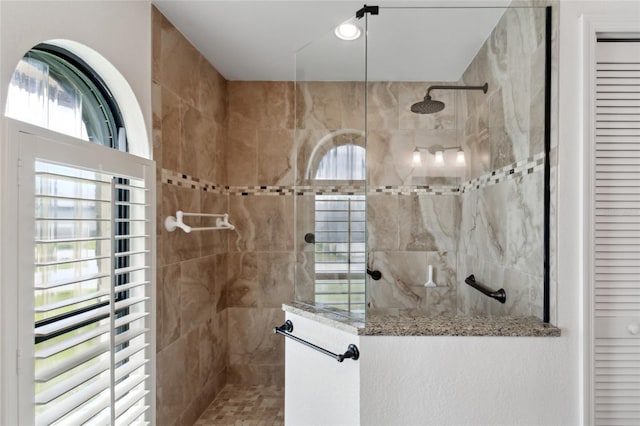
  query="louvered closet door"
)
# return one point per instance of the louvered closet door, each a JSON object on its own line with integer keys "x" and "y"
{"x": 616, "y": 355}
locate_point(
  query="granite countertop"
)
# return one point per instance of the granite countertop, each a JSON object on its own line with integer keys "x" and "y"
{"x": 413, "y": 325}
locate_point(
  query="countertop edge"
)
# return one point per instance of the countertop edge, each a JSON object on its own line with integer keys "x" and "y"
{"x": 424, "y": 326}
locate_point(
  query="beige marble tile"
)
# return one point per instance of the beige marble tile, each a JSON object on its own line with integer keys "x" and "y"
{"x": 383, "y": 222}
{"x": 242, "y": 287}
{"x": 252, "y": 340}
{"x": 501, "y": 141}
{"x": 192, "y": 372}
{"x": 305, "y": 277}
{"x": 198, "y": 137}
{"x": 212, "y": 94}
{"x": 241, "y": 156}
{"x": 275, "y": 157}
{"x": 477, "y": 144}
{"x": 212, "y": 354}
{"x": 156, "y": 114}
{"x": 263, "y": 223}
{"x": 330, "y": 105}
{"x": 168, "y": 294}
{"x": 389, "y": 154}
{"x": 171, "y": 395}
{"x": 518, "y": 289}
{"x": 252, "y": 374}
{"x": 260, "y": 104}
{"x": 171, "y": 124}
{"x": 275, "y": 278}
{"x": 428, "y": 222}
{"x": 199, "y": 293}
{"x": 525, "y": 227}
{"x": 221, "y": 165}
{"x": 178, "y": 64}
{"x": 491, "y": 232}
{"x": 401, "y": 285}
{"x": 382, "y": 107}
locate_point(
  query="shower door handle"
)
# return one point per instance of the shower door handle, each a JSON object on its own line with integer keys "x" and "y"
{"x": 375, "y": 275}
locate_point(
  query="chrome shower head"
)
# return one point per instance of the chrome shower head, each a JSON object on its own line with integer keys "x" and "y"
{"x": 427, "y": 106}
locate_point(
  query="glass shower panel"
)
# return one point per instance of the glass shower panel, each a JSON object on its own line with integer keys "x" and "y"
{"x": 330, "y": 200}
{"x": 455, "y": 159}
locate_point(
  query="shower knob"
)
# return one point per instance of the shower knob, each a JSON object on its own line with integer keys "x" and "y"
{"x": 634, "y": 328}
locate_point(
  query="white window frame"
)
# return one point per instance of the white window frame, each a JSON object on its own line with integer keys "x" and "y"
{"x": 16, "y": 346}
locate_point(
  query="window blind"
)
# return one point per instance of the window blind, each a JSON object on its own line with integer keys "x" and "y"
{"x": 616, "y": 355}
{"x": 340, "y": 263}
{"x": 90, "y": 288}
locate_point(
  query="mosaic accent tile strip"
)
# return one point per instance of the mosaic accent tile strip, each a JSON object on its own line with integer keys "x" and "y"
{"x": 512, "y": 171}
{"x": 178, "y": 179}
{"x": 414, "y": 189}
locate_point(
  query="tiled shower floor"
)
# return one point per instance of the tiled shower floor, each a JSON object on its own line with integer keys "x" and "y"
{"x": 245, "y": 406}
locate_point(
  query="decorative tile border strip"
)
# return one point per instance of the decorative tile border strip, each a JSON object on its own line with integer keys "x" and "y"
{"x": 414, "y": 189}
{"x": 178, "y": 179}
{"x": 511, "y": 171}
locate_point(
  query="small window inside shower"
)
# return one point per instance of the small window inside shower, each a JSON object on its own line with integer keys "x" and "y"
{"x": 339, "y": 252}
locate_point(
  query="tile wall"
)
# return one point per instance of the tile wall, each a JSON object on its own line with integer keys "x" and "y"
{"x": 260, "y": 160}
{"x": 244, "y": 148}
{"x": 409, "y": 227}
{"x": 484, "y": 219}
{"x": 501, "y": 229}
{"x": 189, "y": 127}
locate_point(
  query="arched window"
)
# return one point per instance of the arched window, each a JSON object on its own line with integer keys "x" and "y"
{"x": 343, "y": 162}
{"x": 340, "y": 255}
{"x": 53, "y": 88}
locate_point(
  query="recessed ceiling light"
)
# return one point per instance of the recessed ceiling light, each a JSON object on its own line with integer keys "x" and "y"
{"x": 348, "y": 31}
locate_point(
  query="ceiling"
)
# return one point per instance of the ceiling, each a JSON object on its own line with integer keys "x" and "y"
{"x": 285, "y": 40}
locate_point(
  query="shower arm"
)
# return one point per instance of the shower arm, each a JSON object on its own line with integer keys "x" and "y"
{"x": 484, "y": 88}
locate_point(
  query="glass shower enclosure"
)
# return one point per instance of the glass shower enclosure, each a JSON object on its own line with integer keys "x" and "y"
{"x": 422, "y": 163}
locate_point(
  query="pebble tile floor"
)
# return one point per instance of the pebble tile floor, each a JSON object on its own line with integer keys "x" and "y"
{"x": 245, "y": 406}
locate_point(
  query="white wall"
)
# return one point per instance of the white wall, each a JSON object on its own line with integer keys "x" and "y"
{"x": 320, "y": 390}
{"x": 120, "y": 33}
{"x": 466, "y": 381}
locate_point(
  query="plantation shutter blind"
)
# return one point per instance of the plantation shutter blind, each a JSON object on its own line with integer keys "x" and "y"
{"x": 86, "y": 228}
{"x": 340, "y": 264}
{"x": 616, "y": 356}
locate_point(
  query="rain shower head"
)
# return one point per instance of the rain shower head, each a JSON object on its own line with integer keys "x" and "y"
{"x": 429, "y": 106}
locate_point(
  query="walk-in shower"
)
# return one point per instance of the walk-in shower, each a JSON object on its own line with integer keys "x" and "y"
{"x": 430, "y": 106}
{"x": 440, "y": 190}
